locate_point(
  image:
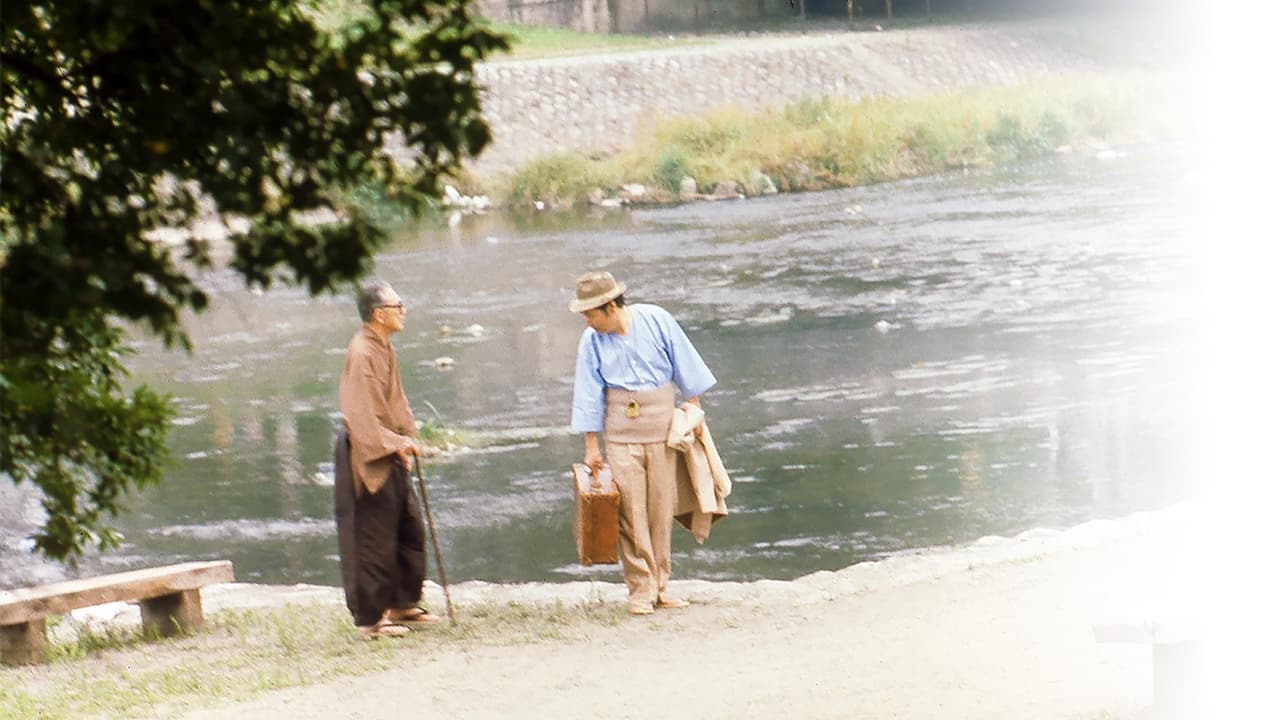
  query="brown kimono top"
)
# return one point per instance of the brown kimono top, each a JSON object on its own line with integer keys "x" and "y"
{"x": 373, "y": 405}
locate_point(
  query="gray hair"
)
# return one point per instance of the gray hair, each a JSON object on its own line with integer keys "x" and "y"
{"x": 371, "y": 296}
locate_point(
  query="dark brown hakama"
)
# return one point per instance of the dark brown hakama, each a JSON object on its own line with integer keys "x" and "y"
{"x": 381, "y": 543}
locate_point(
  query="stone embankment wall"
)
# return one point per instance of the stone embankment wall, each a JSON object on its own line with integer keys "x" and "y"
{"x": 602, "y": 102}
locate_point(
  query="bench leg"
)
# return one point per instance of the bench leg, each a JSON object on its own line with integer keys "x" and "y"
{"x": 24, "y": 643}
{"x": 174, "y": 614}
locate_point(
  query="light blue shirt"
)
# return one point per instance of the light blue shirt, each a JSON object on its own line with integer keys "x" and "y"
{"x": 653, "y": 352}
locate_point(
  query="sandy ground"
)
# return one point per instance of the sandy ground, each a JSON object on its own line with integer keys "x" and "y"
{"x": 1000, "y": 629}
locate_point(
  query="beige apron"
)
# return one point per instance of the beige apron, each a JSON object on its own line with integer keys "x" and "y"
{"x": 644, "y": 467}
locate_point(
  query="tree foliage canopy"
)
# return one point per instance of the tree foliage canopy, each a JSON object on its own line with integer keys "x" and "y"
{"x": 120, "y": 118}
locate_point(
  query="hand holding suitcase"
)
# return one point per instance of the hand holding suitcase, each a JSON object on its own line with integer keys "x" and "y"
{"x": 595, "y": 505}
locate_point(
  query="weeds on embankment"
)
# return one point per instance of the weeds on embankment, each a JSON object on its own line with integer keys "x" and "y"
{"x": 825, "y": 143}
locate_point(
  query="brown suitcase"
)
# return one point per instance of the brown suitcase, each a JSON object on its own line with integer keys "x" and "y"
{"x": 595, "y": 524}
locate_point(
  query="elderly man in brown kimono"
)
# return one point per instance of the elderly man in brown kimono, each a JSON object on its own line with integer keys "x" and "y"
{"x": 380, "y": 538}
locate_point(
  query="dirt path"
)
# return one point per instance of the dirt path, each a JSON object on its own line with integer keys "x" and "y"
{"x": 998, "y": 630}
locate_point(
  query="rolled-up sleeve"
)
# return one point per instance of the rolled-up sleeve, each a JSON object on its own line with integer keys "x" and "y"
{"x": 688, "y": 370}
{"x": 588, "y": 388}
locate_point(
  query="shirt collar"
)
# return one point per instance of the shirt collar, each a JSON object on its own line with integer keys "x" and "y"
{"x": 373, "y": 336}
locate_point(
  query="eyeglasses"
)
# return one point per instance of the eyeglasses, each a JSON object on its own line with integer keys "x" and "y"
{"x": 397, "y": 306}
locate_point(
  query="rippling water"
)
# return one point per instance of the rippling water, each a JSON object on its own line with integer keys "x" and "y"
{"x": 906, "y": 365}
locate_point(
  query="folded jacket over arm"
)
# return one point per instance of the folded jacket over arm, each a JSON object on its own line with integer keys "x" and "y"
{"x": 702, "y": 483}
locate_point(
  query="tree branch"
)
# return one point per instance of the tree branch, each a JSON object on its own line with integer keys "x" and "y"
{"x": 21, "y": 65}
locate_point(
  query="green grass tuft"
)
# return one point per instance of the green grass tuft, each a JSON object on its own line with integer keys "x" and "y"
{"x": 438, "y": 435}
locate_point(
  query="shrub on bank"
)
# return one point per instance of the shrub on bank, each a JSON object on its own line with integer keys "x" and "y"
{"x": 560, "y": 180}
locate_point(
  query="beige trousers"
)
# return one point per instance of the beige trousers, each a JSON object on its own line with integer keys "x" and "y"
{"x": 646, "y": 477}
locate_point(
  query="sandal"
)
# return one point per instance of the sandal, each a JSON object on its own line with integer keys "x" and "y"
{"x": 416, "y": 618}
{"x": 382, "y": 629}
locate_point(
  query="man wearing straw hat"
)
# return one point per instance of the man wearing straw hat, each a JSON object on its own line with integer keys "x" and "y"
{"x": 631, "y": 360}
{"x": 381, "y": 544}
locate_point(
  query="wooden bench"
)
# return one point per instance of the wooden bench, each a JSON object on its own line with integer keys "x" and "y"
{"x": 168, "y": 596}
{"x": 1177, "y": 659}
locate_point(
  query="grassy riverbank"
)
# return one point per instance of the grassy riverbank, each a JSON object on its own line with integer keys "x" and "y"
{"x": 825, "y": 143}
{"x": 243, "y": 653}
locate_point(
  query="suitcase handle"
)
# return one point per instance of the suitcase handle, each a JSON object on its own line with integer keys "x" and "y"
{"x": 592, "y": 473}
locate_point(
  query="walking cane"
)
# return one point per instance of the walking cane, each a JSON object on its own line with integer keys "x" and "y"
{"x": 431, "y": 530}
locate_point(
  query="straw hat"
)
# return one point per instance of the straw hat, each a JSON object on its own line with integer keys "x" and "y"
{"x": 594, "y": 290}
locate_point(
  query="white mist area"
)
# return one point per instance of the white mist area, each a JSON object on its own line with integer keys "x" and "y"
{"x": 1241, "y": 273}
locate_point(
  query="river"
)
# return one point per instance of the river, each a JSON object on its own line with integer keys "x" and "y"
{"x": 905, "y": 365}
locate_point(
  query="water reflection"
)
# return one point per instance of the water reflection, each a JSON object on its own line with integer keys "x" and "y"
{"x": 906, "y": 365}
